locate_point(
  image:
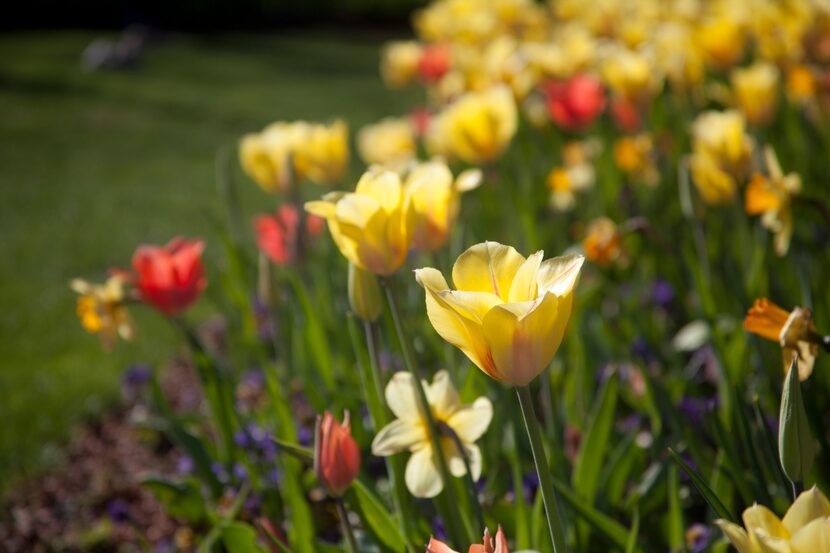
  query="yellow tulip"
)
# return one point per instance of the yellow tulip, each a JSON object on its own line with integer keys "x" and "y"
{"x": 804, "y": 529}
{"x": 634, "y": 155}
{"x": 364, "y": 294}
{"x": 476, "y": 128}
{"x": 399, "y": 63}
{"x": 408, "y": 432}
{"x": 321, "y": 153}
{"x": 266, "y": 156}
{"x": 371, "y": 226}
{"x": 508, "y": 314}
{"x": 389, "y": 142}
{"x": 631, "y": 75}
{"x": 436, "y": 201}
{"x": 722, "y": 41}
{"x": 101, "y": 309}
{"x": 721, "y": 154}
{"x": 755, "y": 90}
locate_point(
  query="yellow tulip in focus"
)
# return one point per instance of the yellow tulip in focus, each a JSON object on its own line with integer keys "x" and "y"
{"x": 371, "y": 226}
{"x": 805, "y": 527}
{"x": 507, "y": 314}
{"x": 399, "y": 63}
{"x": 771, "y": 197}
{"x": 436, "y": 201}
{"x": 101, "y": 309}
{"x": 321, "y": 153}
{"x": 476, "y": 128}
{"x": 408, "y": 432}
{"x": 720, "y": 157}
{"x": 390, "y": 142}
{"x": 755, "y": 90}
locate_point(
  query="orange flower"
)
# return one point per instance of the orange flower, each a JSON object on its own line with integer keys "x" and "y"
{"x": 794, "y": 331}
{"x": 336, "y": 455}
{"x": 170, "y": 277}
{"x": 603, "y": 241}
{"x": 488, "y": 545}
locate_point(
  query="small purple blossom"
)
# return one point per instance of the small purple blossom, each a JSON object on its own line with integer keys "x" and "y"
{"x": 137, "y": 375}
{"x": 530, "y": 484}
{"x": 662, "y": 293}
{"x": 305, "y": 436}
{"x": 118, "y": 510}
{"x": 439, "y": 530}
{"x": 697, "y": 537}
{"x": 240, "y": 473}
{"x": 220, "y": 472}
{"x": 185, "y": 465}
{"x": 695, "y": 409}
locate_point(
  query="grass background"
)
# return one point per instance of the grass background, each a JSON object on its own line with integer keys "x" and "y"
{"x": 92, "y": 164}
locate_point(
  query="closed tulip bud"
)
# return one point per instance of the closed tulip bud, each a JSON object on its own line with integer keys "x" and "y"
{"x": 336, "y": 455}
{"x": 364, "y": 293}
{"x": 508, "y": 314}
{"x": 796, "y": 446}
{"x": 371, "y": 226}
{"x": 171, "y": 277}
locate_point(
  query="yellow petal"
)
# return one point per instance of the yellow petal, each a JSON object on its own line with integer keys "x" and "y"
{"x": 399, "y": 435}
{"x": 812, "y": 538}
{"x": 523, "y": 287}
{"x": 810, "y": 505}
{"x": 471, "y": 421}
{"x": 422, "y": 476}
{"x": 487, "y": 267}
{"x": 400, "y": 397}
{"x": 383, "y": 186}
{"x": 442, "y": 396}
{"x": 760, "y": 518}
{"x": 736, "y": 535}
{"x": 523, "y": 337}
{"x": 321, "y": 208}
{"x": 456, "y": 463}
{"x": 559, "y": 274}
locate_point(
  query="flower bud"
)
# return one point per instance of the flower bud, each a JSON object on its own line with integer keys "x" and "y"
{"x": 796, "y": 447}
{"x": 336, "y": 455}
{"x": 364, "y": 293}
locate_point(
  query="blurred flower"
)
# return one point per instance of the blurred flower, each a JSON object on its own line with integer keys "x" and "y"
{"x": 603, "y": 242}
{"x": 771, "y": 197}
{"x": 266, "y": 156}
{"x": 576, "y": 174}
{"x": 794, "y": 331}
{"x": 508, "y": 314}
{"x": 634, "y": 155}
{"x": 170, "y": 277}
{"x": 185, "y": 465}
{"x": 476, "y": 128}
{"x": 755, "y": 91}
{"x": 801, "y": 84}
{"x": 574, "y": 103}
{"x": 436, "y": 201}
{"x": 364, "y": 293}
{"x": 399, "y": 63}
{"x": 804, "y": 529}
{"x": 722, "y": 41}
{"x": 322, "y": 153}
{"x": 488, "y": 545}
{"x": 336, "y": 455}
{"x": 721, "y": 152}
{"x": 662, "y": 293}
{"x": 101, "y": 309}
{"x": 389, "y": 142}
{"x": 434, "y": 62}
{"x": 276, "y": 235}
{"x": 118, "y": 510}
{"x": 625, "y": 114}
{"x": 631, "y": 75}
{"x": 373, "y": 225}
{"x": 409, "y": 431}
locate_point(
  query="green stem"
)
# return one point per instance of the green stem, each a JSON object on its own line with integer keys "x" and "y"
{"x": 468, "y": 476}
{"x": 453, "y": 516}
{"x": 552, "y": 512}
{"x": 346, "y": 527}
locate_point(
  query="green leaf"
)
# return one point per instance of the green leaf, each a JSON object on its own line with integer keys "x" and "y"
{"x": 635, "y": 531}
{"x": 376, "y": 517}
{"x": 711, "y": 498}
{"x": 589, "y": 462}
{"x": 238, "y": 537}
{"x": 608, "y": 527}
{"x": 180, "y": 499}
{"x": 796, "y": 446}
{"x": 676, "y": 537}
{"x": 315, "y": 334}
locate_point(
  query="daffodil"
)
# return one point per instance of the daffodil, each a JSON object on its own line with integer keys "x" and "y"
{"x": 436, "y": 201}
{"x": 507, "y": 314}
{"x": 755, "y": 91}
{"x": 577, "y": 173}
{"x": 805, "y": 527}
{"x": 634, "y": 155}
{"x": 389, "y": 142}
{"x": 456, "y": 423}
{"x": 794, "y": 331}
{"x": 101, "y": 309}
{"x": 771, "y": 197}
{"x": 476, "y": 128}
{"x": 373, "y": 225}
{"x": 603, "y": 242}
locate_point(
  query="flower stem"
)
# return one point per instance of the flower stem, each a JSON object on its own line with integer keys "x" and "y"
{"x": 345, "y": 526}
{"x": 557, "y": 534}
{"x": 468, "y": 476}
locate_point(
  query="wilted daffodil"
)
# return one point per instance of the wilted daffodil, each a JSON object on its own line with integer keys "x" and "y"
{"x": 389, "y": 142}
{"x": 476, "y": 128}
{"x": 436, "y": 201}
{"x": 755, "y": 92}
{"x": 770, "y": 196}
{"x": 720, "y": 157}
{"x": 507, "y": 314}
{"x": 371, "y": 226}
{"x": 409, "y": 431}
{"x": 101, "y": 309}
{"x": 794, "y": 331}
{"x": 805, "y": 527}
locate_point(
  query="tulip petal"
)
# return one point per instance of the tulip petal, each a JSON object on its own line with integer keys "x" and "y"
{"x": 810, "y": 505}
{"x": 523, "y": 287}
{"x": 760, "y": 518}
{"x": 422, "y": 476}
{"x": 442, "y": 395}
{"x": 400, "y": 397}
{"x": 559, "y": 274}
{"x": 437, "y": 546}
{"x": 399, "y": 435}
{"x": 736, "y": 535}
{"x": 812, "y": 538}
{"x": 382, "y": 186}
{"x": 523, "y": 337}
{"x": 321, "y": 208}
{"x": 471, "y": 421}
{"x": 487, "y": 267}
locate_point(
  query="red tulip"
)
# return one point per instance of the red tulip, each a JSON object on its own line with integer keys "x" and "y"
{"x": 488, "y": 545}
{"x": 171, "y": 277}
{"x": 276, "y": 235}
{"x": 434, "y": 63}
{"x": 336, "y": 455}
{"x": 575, "y": 103}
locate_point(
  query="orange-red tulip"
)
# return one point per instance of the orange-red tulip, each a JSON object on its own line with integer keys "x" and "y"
{"x": 336, "y": 455}
{"x": 575, "y": 103}
{"x": 170, "y": 277}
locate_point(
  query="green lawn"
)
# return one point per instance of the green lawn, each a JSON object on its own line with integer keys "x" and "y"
{"x": 92, "y": 164}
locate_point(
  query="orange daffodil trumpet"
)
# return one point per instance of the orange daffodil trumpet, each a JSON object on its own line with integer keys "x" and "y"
{"x": 805, "y": 527}
{"x": 409, "y": 431}
{"x": 508, "y": 314}
{"x": 771, "y": 197}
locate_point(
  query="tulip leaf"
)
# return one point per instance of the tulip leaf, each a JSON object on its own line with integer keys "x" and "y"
{"x": 589, "y": 462}
{"x": 711, "y": 498}
{"x": 631, "y": 545}
{"x": 238, "y": 537}
{"x": 796, "y": 446}
{"x": 376, "y": 517}
{"x": 180, "y": 499}
{"x": 608, "y": 527}
{"x": 314, "y": 332}
{"x": 676, "y": 537}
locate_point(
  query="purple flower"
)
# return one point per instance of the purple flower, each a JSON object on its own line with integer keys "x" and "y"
{"x": 530, "y": 484}
{"x": 438, "y": 528}
{"x": 241, "y": 439}
{"x": 185, "y": 465}
{"x": 641, "y": 349}
{"x": 305, "y": 436}
{"x": 662, "y": 293}
{"x": 273, "y": 477}
{"x": 254, "y": 378}
{"x": 219, "y": 472}
{"x": 240, "y": 473}
{"x": 695, "y": 409}
{"x": 697, "y": 537}
{"x": 163, "y": 546}
{"x": 118, "y": 510}
{"x": 137, "y": 375}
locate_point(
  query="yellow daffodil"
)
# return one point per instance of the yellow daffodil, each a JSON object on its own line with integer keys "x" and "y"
{"x": 634, "y": 155}
{"x": 321, "y": 154}
{"x": 508, "y": 314}
{"x": 389, "y": 142}
{"x": 577, "y": 173}
{"x": 755, "y": 91}
{"x": 603, "y": 242}
{"x": 408, "y": 432}
{"x": 371, "y": 226}
{"x": 436, "y": 201}
{"x": 794, "y": 331}
{"x": 101, "y": 309}
{"x": 721, "y": 152}
{"x": 399, "y": 63}
{"x": 805, "y": 527}
{"x": 267, "y": 156}
{"x": 771, "y": 197}
{"x": 476, "y": 128}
